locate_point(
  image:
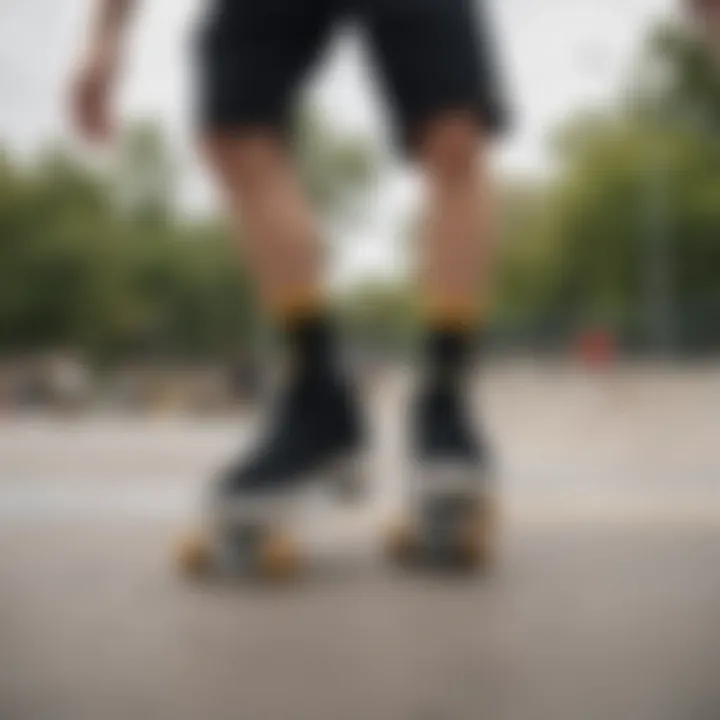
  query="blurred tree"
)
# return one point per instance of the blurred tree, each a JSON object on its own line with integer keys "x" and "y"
{"x": 576, "y": 251}
{"x": 380, "y": 316}
{"x": 144, "y": 174}
{"x": 335, "y": 168}
{"x": 85, "y": 265}
{"x": 104, "y": 264}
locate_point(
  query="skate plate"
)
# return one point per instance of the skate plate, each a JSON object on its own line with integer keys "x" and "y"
{"x": 252, "y": 551}
{"x": 452, "y": 522}
{"x": 259, "y": 537}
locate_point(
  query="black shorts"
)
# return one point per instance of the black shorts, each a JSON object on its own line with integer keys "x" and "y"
{"x": 433, "y": 57}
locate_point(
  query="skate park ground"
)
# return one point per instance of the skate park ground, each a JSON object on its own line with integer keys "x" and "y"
{"x": 605, "y": 602}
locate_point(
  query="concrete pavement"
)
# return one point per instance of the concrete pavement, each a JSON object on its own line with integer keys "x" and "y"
{"x": 605, "y": 603}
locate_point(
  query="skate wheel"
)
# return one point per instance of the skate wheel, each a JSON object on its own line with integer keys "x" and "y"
{"x": 401, "y": 541}
{"x": 278, "y": 558}
{"x": 193, "y": 555}
{"x": 473, "y": 548}
{"x": 468, "y": 545}
{"x": 476, "y": 540}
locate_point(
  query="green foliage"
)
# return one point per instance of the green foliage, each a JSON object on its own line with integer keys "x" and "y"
{"x": 335, "y": 169}
{"x": 380, "y": 316}
{"x": 102, "y": 263}
{"x": 691, "y": 67}
{"x": 641, "y": 181}
{"x": 83, "y": 265}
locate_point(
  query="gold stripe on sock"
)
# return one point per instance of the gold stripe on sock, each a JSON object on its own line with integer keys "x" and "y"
{"x": 298, "y": 305}
{"x": 454, "y": 314}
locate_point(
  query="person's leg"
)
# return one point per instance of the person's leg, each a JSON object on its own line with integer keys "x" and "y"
{"x": 458, "y": 233}
{"x": 435, "y": 59}
{"x": 458, "y": 228}
{"x": 437, "y": 62}
{"x": 451, "y": 453}
{"x": 280, "y": 238}
{"x": 275, "y": 224}
{"x": 454, "y": 276}
{"x": 254, "y": 56}
{"x": 253, "y": 59}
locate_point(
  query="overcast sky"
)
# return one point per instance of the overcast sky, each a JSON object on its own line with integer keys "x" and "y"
{"x": 559, "y": 56}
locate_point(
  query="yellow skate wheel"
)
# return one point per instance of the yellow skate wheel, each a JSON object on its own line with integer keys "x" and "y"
{"x": 401, "y": 542}
{"x": 193, "y": 554}
{"x": 279, "y": 557}
{"x": 476, "y": 540}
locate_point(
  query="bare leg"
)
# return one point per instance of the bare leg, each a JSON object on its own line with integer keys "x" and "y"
{"x": 456, "y": 252}
{"x": 451, "y": 508}
{"x": 315, "y": 431}
{"x": 274, "y": 221}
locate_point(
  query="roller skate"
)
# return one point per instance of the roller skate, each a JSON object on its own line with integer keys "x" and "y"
{"x": 450, "y": 516}
{"x": 313, "y": 443}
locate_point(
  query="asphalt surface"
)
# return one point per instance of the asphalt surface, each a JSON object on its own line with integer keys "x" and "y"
{"x": 605, "y": 602}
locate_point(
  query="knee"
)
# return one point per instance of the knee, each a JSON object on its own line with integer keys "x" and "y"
{"x": 451, "y": 150}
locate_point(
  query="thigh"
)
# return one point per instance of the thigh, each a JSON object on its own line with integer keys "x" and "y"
{"x": 253, "y": 55}
{"x": 434, "y": 57}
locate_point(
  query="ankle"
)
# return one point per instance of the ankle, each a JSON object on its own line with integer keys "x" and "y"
{"x": 309, "y": 337}
{"x": 449, "y": 358}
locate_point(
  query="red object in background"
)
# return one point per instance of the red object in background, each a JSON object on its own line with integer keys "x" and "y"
{"x": 597, "y": 348}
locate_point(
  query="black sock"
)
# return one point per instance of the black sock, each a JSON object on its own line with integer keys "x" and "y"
{"x": 317, "y": 373}
{"x": 312, "y": 345}
{"x": 449, "y": 357}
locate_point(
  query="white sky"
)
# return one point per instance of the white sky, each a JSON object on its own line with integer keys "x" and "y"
{"x": 559, "y": 56}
